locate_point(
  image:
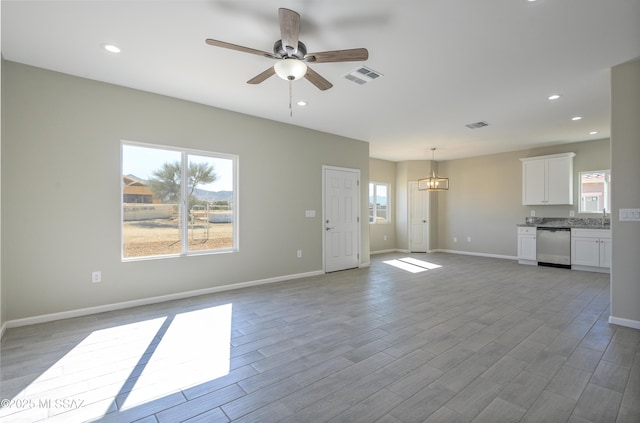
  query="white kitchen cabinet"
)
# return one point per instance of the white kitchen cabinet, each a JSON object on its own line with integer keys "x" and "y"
{"x": 548, "y": 180}
{"x": 527, "y": 245}
{"x": 591, "y": 249}
{"x": 605, "y": 252}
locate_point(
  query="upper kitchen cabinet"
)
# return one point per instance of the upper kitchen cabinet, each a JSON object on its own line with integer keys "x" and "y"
{"x": 548, "y": 180}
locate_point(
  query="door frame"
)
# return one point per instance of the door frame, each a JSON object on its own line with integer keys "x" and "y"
{"x": 325, "y": 168}
{"x": 411, "y": 185}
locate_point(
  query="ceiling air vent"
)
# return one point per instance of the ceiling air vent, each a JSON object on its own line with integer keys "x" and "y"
{"x": 477, "y": 125}
{"x": 362, "y": 75}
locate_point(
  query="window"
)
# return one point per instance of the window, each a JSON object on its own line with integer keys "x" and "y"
{"x": 176, "y": 201}
{"x": 594, "y": 191}
{"x": 379, "y": 203}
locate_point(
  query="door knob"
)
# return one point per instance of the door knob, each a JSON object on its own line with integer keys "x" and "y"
{"x": 329, "y": 228}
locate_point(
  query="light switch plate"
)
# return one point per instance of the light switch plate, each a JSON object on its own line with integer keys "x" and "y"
{"x": 310, "y": 213}
{"x": 630, "y": 215}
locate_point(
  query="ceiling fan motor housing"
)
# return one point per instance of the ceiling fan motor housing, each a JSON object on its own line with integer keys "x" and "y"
{"x": 280, "y": 51}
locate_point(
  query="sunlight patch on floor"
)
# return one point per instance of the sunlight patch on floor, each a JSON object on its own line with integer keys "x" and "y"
{"x": 412, "y": 265}
{"x": 132, "y": 364}
{"x": 194, "y": 349}
{"x": 104, "y": 358}
{"x": 420, "y": 263}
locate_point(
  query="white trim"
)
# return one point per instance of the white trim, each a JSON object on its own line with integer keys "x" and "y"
{"x": 361, "y": 185}
{"x": 634, "y": 324}
{"x": 375, "y": 189}
{"x": 471, "y": 253}
{"x": 549, "y": 156}
{"x": 44, "y": 318}
{"x": 590, "y": 269}
{"x": 393, "y": 250}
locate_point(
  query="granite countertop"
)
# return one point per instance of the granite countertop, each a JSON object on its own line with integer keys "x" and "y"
{"x": 571, "y": 222}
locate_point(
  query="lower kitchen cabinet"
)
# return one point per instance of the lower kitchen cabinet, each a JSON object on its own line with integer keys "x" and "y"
{"x": 527, "y": 245}
{"x": 591, "y": 249}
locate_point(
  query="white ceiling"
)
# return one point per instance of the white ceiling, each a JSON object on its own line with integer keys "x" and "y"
{"x": 446, "y": 63}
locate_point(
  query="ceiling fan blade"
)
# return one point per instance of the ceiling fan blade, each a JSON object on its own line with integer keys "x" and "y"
{"x": 236, "y": 47}
{"x": 317, "y": 80}
{"x": 289, "y": 29}
{"x": 262, "y": 76}
{"x": 351, "y": 55}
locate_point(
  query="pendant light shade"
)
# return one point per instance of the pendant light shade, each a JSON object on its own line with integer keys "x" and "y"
{"x": 433, "y": 182}
{"x": 290, "y": 69}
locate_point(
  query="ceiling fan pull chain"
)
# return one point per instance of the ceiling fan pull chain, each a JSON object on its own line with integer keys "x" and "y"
{"x": 290, "y": 97}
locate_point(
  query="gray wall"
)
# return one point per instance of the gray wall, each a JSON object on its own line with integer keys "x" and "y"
{"x": 484, "y": 200}
{"x": 625, "y": 174}
{"x": 61, "y": 192}
{"x": 385, "y": 172}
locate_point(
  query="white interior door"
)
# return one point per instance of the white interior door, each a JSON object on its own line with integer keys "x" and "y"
{"x": 341, "y": 218}
{"x": 418, "y": 219}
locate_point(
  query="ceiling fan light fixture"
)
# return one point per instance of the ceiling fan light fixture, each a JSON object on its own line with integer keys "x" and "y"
{"x": 290, "y": 69}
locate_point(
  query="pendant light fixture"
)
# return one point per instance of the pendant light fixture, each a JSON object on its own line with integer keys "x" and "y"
{"x": 433, "y": 182}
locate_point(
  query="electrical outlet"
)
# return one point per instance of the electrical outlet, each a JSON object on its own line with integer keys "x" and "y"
{"x": 572, "y": 213}
{"x": 468, "y": 239}
{"x": 385, "y": 237}
{"x": 299, "y": 253}
{"x": 533, "y": 213}
{"x": 455, "y": 239}
{"x": 96, "y": 277}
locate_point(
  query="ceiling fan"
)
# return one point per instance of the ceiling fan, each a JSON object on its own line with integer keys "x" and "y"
{"x": 291, "y": 54}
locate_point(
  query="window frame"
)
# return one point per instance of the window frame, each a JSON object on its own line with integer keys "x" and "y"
{"x": 606, "y": 192}
{"x": 374, "y": 205}
{"x": 185, "y": 153}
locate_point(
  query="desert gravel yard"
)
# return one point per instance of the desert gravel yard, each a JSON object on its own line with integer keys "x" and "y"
{"x": 162, "y": 236}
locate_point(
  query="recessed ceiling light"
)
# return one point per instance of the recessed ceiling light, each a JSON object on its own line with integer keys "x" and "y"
{"x": 111, "y": 48}
{"x": 593, "y": 132}
{"x": 576, "y": 118}
{"x": 554, "y": 97}
{"x": 302, "y": 103}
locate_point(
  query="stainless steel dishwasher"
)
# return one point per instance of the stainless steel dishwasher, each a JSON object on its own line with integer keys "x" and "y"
{"x": 553, "y": 247}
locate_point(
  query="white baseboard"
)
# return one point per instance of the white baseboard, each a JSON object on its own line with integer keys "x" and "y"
{"x": 591, "y": 269}
{"x": 634, "y": 324}
{"x": 471, "y": 253}
{"x": 145, "y": 301}
{"x": 393, "y": 250}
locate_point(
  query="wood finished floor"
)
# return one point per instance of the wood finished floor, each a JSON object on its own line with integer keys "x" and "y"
{"x": 475, "y": 340}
